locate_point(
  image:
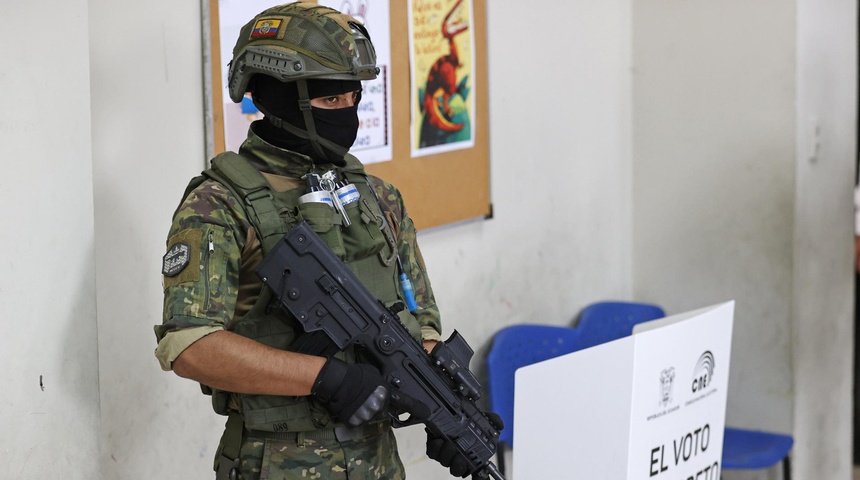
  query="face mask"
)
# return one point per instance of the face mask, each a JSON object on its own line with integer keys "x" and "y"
{"x": 339, "y": 126}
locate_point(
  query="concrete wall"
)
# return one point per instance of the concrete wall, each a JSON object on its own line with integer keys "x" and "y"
{"x": 823, "y": 320}
{"x": 714, "y": 180}
{"x": 732, "y": 200}
{"x": 147, "y": 143}
{"x": 50, "y": 398}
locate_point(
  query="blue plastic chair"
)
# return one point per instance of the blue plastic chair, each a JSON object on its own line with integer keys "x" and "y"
{"x": 514, "y": 347}
{"x": 755, "y": 450}
{"x": 603, "y": 322}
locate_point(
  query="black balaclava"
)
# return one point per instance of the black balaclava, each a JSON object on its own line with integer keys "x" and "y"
{"x": 279, "y": 102}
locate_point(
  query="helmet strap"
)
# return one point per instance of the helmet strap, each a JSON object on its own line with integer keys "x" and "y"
{"x": 317, "y": 141}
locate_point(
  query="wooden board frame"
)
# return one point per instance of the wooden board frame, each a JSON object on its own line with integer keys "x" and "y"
{"x": 438, "y": 189}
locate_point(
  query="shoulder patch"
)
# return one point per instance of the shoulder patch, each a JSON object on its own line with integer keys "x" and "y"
{"x": 176, "y": 259}
{"x": 181, "y": 263}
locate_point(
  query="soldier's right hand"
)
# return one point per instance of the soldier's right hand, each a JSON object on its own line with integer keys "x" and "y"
{"x": 352, "y": 392}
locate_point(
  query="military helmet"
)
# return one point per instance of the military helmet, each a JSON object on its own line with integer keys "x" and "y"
{"x": 301, "y": 41}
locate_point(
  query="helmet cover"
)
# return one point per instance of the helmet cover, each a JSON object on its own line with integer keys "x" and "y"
{"x": 299, "y": 41}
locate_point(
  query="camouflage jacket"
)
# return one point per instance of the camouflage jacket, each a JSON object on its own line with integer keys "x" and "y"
{"x": 203, "y": 297}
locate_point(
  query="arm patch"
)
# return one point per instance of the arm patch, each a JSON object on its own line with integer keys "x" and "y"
{"x": 181, "y": 263}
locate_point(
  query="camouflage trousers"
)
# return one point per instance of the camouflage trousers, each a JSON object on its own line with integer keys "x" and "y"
{"x": 371, "y": 458}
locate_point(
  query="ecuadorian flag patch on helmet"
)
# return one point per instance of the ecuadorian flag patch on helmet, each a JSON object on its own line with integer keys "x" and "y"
{"x": 267, "y": 27}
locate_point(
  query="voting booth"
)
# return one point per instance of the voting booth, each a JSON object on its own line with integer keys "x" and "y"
{"x": 648, "y": 406}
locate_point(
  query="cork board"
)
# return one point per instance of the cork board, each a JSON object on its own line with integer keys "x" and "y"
{"x": 439, "y": 187}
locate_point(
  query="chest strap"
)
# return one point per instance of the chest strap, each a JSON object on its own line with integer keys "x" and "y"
{"x": 247, "y": 183}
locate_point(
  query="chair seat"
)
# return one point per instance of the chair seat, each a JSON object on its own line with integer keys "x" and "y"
{"x": 750, "y": 449}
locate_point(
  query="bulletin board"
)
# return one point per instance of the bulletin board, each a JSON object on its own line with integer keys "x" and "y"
{"x": 439, "y": 160}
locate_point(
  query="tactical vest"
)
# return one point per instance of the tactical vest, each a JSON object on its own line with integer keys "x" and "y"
{"x": 366, "y": 246}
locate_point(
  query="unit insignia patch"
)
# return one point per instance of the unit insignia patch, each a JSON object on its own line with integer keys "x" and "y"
{"x": 176, "y": 259}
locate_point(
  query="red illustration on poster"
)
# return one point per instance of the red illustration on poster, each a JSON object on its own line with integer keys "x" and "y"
{"x": 441, "y": 57}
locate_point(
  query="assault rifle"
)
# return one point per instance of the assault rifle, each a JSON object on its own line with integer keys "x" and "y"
{"x": 435, "y": 389}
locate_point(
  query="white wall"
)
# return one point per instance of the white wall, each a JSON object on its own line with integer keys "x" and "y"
{"x": 50, "y": 396}
{"x": 714, "y": 130}
{"x": 727, "y": 203}
{"x": 147, "y": 143}
{"x": 823, "y": 321}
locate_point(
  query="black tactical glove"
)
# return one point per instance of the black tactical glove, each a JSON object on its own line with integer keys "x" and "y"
{"x": 352, "y": 392}
{"x": 446, "y": 453}
{"x": 495, "y": 420}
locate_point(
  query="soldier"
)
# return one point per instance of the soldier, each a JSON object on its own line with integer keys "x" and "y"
{"x": 286, "y": 411}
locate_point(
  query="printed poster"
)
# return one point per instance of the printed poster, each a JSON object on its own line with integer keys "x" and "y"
{"x": 373, "y": 143}
{"x": 442, "y": 49}
{"x": 232, "y": 15}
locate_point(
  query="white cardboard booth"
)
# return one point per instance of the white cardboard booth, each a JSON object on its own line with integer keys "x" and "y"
{"x": 648, "y": 406}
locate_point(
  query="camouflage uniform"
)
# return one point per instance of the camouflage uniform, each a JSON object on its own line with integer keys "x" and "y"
{"x": 214, "y": 238}
{"x": 374, "y": 458}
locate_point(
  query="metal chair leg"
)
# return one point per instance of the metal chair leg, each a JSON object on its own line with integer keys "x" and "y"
{"x": 500, "y": 455}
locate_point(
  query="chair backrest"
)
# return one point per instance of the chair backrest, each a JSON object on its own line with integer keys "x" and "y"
{"x": 602, "y": 322}
{"x": 514, "y": 347}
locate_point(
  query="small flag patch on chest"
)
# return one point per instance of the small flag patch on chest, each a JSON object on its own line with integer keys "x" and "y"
{"x": 175, "y": 260}
{"x": 266, "y": 28}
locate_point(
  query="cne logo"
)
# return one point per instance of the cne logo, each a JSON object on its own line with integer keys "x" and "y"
{"x": 704, "y": 371}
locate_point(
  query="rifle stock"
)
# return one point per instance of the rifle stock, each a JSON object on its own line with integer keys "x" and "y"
{"x": 435, "y": 389}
